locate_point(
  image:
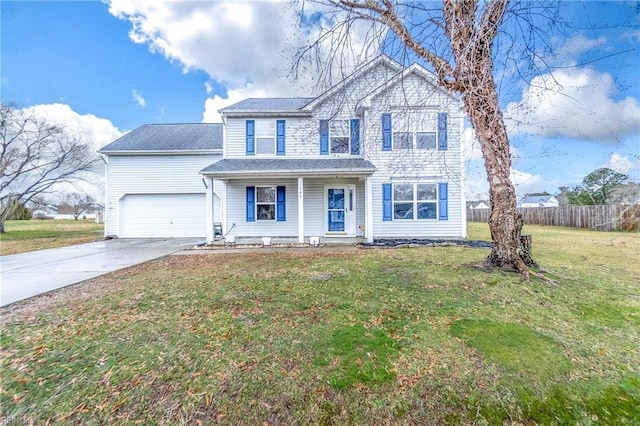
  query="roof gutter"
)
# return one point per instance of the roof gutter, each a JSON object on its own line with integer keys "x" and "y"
{"x": 160, "y": 152}
{"x": 249, "y": 114}
{"x": 288, "y": 173}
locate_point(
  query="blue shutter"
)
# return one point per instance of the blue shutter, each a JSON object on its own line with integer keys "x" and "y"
{"x": 281, "y": 206}
{"x": 443, "y": 203}
{"x": 251, "y": 137}
{"x": 251, "y": 203}
{"x": 355, "y": 136}
{"x": 386, "y": 202}
{"x": 442, "y": 131}
{"x": 280, "y": 139}
{"x": 386, "y": 132}
{"x": 324, "y": 137}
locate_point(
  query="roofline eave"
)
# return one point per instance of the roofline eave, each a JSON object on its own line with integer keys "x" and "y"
{"x": 244, "y": 174}
{"x": 161, "y": 152}
{"x": 254, "y": 113}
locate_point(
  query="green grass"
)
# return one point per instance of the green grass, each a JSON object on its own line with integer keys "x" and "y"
{"x": 406, "y": 336}
{"x": 29, "y": 235}
{"x": 515, "y": 347}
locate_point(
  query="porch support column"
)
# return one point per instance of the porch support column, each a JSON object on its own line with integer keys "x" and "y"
{"x": 209, "y": 208}
{"x": 223, "y": 207}
{"x": 368, "y": 201}
{"x": 300, "y": 209}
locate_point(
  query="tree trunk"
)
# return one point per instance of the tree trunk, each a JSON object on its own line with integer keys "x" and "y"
{"x": 505, "y": 221}
{"x": 2, "y": 230}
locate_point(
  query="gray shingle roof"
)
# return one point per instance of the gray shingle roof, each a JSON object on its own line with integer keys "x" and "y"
{"x": 268, "y": 105}
{"x": 289, "y": 166}
{"x": 169, "y": 137}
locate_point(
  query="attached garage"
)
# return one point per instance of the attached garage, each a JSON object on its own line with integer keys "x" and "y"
{"x": 162, "y": 215}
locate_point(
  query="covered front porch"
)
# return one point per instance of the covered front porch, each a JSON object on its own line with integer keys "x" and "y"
{"x": 294, "y": 200}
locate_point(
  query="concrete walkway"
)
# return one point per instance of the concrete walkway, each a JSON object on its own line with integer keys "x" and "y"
{"x": 28, "y": 274}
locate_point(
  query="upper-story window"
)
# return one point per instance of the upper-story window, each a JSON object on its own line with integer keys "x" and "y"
{"x": 414, "y": 130}
{"x": 265, "y": 137}
{"x": 340, "y": 136}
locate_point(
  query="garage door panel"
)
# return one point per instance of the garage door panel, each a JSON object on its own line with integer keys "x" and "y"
{"x": 162, "y": 215}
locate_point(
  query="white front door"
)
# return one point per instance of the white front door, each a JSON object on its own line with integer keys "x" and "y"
{"x": 340, "y": 207}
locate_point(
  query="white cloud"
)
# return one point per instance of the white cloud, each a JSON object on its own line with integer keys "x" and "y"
{"x": 93, "y": 130}
{"x": 137, "y": 96}
{"x": 234, "y": 42}
{"x": 526, "y": 183}
{"x": 623, "y": 164}
{"x": 242, "y": 45}
{"x": 213, "y": 105}
{"x": 569, "y": 49}
{"x": 575, "y": 103}
{"x": 471, "y": 149}
{"x": 477, "y": 185}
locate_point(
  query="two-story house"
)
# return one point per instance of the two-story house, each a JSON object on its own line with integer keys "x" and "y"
{"x": 376, "y": 156}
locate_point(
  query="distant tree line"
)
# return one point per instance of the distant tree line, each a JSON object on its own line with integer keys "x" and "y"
{"x": 600, "y": 187}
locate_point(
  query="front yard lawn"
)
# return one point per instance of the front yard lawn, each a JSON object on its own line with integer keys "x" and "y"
{"x": 29, "y": 235}
{"x": 379, "y": 336}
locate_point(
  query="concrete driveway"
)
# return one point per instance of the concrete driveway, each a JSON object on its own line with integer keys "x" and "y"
{"x": 28, "y": 274}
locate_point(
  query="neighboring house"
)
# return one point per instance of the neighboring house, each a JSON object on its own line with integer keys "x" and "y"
{"x": 535, "y": 200}
{"x": 473, "y": 205}
{"x": 376, "y": 156}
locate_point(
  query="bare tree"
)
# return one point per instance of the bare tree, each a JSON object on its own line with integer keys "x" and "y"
{"x": 76, "y": 204}
{"x": 458, "y": 40}
{"x": 35, "y": 157}
{"x": 627, "y": 193}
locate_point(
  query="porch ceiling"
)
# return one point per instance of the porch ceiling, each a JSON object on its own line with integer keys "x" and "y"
{"x": 278, "y": 167}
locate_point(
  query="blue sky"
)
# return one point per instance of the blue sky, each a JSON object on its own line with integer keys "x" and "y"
{"x": 106, "y": 68}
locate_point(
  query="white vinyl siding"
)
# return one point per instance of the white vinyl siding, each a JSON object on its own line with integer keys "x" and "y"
{"x": 416, "y": 165}
{"x": 422, "y": 163}
{"x": 314, "y": 204}
{"x": 301, "y": 137}
{"x": 152, "y": 174}
{"x": 314, "y": 207}
{"x": 237, "y": 209}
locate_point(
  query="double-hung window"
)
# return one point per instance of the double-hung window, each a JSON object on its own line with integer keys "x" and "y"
{"x": 265, "y": 202}
{"x": 414, "y": 130}
{"x": 415, "y": 201}
{"x": 265, "y": 137}
{"x": 339, "y": 136}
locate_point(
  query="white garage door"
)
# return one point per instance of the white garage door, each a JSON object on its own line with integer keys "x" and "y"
{"x": 162, "y": 215}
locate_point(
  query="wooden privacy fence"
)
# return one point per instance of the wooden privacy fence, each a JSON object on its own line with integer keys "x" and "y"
{"x": 607, "y": 218}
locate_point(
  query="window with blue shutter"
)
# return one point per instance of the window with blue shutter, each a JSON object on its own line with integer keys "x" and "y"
{"x": 251, "y": 203}
{"x": 443, "y": 203}
{"x": 324, "y": 137}
{"x": 386, "y": 132}
{"x": 251, "y": 137}
{"x": 280, "y": 137}
{"x": 386, "y": 202}
{"x": 281, "y": 208}
{"x": 355, "y": 136}
{"x": 442, "y": 131}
